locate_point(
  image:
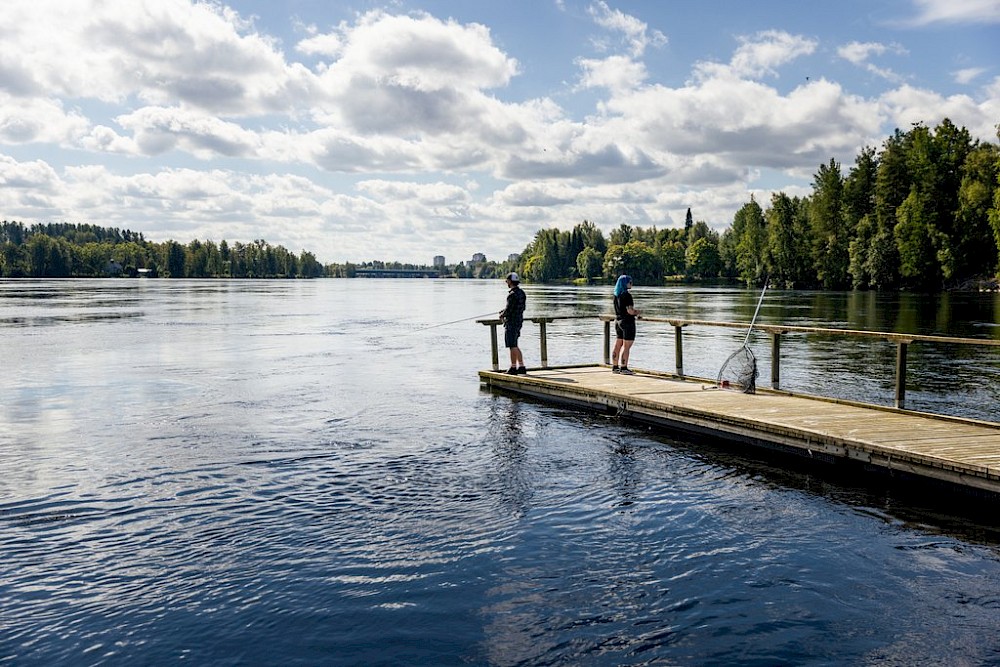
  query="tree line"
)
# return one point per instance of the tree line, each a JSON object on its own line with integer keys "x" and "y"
{"x": 64, "y": 250}
{"x": 923, "y": 212}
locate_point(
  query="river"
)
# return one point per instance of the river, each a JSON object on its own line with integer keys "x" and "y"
{"x": 308, "y": 472}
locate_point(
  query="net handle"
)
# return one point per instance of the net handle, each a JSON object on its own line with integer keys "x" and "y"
{"x": 752, "y": 321}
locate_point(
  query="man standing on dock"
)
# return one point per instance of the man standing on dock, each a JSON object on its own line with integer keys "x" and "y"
{"x": 512, "y": 317}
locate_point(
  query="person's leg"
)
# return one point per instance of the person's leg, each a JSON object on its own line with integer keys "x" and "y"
{"x": 615, "y": 353}
{"x": 510, "y": 342}
{"x": 517, "y": 359}
{"x": 627, "y": 345}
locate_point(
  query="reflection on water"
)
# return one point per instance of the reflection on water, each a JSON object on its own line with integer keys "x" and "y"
{"x": 272, "y": 473}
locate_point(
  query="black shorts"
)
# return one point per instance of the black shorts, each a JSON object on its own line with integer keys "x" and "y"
{"x": 625, "y": 329}
{"x": 511, "y": 334}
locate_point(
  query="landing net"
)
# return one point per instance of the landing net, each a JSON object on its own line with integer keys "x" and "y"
{"x": 739, "y": 373}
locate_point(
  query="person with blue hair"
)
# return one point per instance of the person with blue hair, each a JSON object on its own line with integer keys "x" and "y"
{"x": 625, "y": 317}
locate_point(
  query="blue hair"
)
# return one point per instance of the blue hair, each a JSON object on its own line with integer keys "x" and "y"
{"x": 622, "y": 284}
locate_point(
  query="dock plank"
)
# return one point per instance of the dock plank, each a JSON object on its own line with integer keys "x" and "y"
{"x": 963, "y": 452}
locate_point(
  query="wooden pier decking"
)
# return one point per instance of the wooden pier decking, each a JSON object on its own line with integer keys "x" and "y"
{"x": 960, "y": 452}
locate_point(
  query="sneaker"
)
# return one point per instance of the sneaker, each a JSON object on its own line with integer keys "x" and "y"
{"x": 522, "y": 370}
{"x": 625, "y": 371}
{"x": 511, "y": 371}
{"x": 615, "y": 369}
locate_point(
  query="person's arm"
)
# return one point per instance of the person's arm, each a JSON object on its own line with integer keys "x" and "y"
{"x": 630, "y": 308}
{"x": 506, "y": 308}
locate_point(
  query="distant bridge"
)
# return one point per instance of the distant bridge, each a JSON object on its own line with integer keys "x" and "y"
{"x": 398, "y": 273}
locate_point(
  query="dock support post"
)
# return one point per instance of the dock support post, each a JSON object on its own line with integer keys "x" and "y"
{"x": 544, "y": 344}
{"x": 901, "y": 375}
{"x": 775, "y": 360}
{"x": 493, "y": 347}
{"x": 607, "y": 342}
{"x": 679, "y": 348}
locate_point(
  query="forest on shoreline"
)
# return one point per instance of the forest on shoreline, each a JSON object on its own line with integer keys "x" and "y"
{"x": 923, "y": 212}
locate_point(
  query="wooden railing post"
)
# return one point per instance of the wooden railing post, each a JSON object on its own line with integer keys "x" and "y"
{"x": 494, "y": 348}
{"x": 607, "y": 342}
{"x": 544, "y": 343}
{"x": 901, "y": 375}
{"x": 775, "y": 360}
{"x": 679, "y": 349}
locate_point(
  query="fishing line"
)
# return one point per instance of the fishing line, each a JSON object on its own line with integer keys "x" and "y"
{"x": 444, "y": 324}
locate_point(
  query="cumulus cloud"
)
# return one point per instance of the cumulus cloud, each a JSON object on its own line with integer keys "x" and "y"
{"x": 907, "y": 105}
{"x": 760, "y": 55}
{"x": 635, "y": 33}
{"x": 39, "y": 120}
{"x": 614, "y": 73}
{"x": 159, "y": 129}
{"x": 159, "y": 51}
{"x": 393, "y": 110}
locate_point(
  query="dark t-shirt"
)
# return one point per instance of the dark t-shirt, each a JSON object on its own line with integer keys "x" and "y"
{"x": 513, "y": 314}
{"x": 622, "y": 304}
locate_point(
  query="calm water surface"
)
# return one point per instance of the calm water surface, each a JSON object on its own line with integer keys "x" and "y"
{"x": 308, "y": 472}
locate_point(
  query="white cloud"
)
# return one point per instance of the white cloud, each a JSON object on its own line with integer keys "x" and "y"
{"x": 859, "y": 53}
{"x": 614, "y": 73}
{"x": 636, "y": 33}
{"x": 39, "y": 120}
{"x": 760, "y": 55}
{"x": 328, "y": 44}
{"x": 21, "y": 179}
{"x": 160, "y": 51}
{"x": 158, "y": 130}
{"x": 956, "y": 11}
{"x": 411, "y": 104}
{"x": 969, "y": 74}
{"x": 907, "y": 105}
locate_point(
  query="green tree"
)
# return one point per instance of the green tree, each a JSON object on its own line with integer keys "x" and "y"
{"x": 175, "y": 259}
{"x": 788, "y": 243}
{"x": 622, "y": 235}
{"x": 892, "y": 187}
{"x": 972, "y": 237}
{"x": 589, "y": 263}
{"x": 994, "y": 213}
{"x": 13, "y": 260}
{"x": 830, "y": 236}
{"x": 636, "y": 259}
{"x": 751, "y": 243}
{"x": 702, "y": 258}
{"x": 672, "y": 258}
{"x": 727, "y": 252}
{"x": 592, "y": 236}
{"x": 916, "y": 240}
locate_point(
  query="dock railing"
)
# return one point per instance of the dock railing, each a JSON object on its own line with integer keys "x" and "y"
{"x": 776, "y": 331}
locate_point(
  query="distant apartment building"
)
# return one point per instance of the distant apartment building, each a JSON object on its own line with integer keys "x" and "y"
{"x": 514, "y": 257}
{"x": 478, "y": 257}
{"x": 439, "y": 261}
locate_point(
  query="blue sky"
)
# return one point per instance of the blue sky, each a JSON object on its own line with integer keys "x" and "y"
{"x": 408, "y": 129}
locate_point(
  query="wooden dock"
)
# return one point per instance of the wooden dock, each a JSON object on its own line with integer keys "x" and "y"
{"x": 964, "y": 453}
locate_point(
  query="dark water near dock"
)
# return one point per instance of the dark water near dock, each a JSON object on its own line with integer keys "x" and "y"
{"x": 304, "y": 472}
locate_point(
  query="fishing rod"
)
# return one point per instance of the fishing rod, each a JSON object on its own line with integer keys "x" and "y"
{"x": 752, "y": 321}
{"x": 444, "y": 324}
